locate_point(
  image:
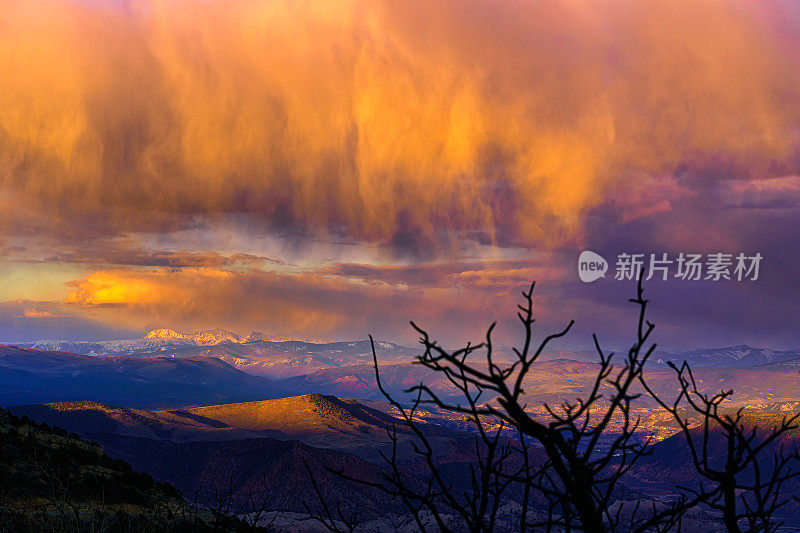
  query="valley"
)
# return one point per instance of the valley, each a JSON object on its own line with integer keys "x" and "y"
{"x": 233, "y": 415}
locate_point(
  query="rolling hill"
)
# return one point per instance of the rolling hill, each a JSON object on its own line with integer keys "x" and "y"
{"x": 314, "y": 419}
{"x": 358, "y": 381}
{"x": 206, "y": 451}
{"x": 36, "y": 376}
{"x": 53, "y": 481}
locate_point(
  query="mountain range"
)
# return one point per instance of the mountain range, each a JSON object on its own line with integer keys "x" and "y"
{"x": 206, "y": 451}
{"x": 155, "y": 341}
{"x": 741, "y": 356}
{"x": 280, "y": 356}
{"x": 203, "y": 425}
{"x": 257, "y": 354}
{"x": 53, "y": 481}
{"x": 220, "y": 374}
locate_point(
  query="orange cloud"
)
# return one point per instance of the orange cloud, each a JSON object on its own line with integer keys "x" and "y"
{"x": 312, "y": 304}
{"x": 203, "y": 297}
{"x": 130, "y": 253}
{"x": 401, "y": 122}
{"x": 497, "y": 275}
{"x": 121, "y": 288}
{"x": 767, "y": 193}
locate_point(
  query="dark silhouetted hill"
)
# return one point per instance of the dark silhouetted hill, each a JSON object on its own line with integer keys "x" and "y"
{"x": 53, "y": 481}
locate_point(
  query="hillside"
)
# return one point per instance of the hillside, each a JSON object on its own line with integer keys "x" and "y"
{"x": 314, "y": 419}
{"x": 47, "y": 470}
{"x": 670, "y": 464}
{"x": 302, "y": 414}
{"x": 249, "y": 466}
{"x": 93, "y": 419}
{"x": 54, "y": 481}
{"x": 267, "y": 467}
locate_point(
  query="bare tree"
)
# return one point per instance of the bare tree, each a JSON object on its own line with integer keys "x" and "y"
{"x": 581, "y": 473}
{"x": 332, "y": 517}
{"x": 738, "y": 477}
{"x": 566, "y": 468}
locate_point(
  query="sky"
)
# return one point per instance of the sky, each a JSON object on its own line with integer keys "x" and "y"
{"x": 330, "y": 169}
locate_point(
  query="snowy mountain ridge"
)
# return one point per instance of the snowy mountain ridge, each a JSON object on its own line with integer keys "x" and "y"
{"x": 157, "y": 340}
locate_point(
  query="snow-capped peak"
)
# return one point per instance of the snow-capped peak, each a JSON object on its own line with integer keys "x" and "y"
{"x": 214, "y": 336}
{"x": 208, "y": 337}
{"x": 165, "y": 334}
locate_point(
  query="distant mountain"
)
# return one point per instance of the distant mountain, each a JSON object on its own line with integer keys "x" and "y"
{"x": 165, "y": 334}
{"x": 358, "y": 381}
{"x": 156, "y": 341}
{"x": 36, "y": 376}
{"x": 207, "y": 337}
{"x": 741, "y": 356}
{"x": 293, "y": 358}
{"x": 258, "y": 354}
{"x": 732, "y": 357}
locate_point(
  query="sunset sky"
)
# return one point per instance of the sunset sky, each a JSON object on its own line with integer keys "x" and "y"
{"x": 335, "y": 168}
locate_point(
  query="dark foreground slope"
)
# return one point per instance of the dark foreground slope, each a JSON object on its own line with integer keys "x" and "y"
{"x": 50, "y": 481}
{"x": 276, "y": 472}
{"x": 254, "y": 446}
{"x": 249, "y": 449}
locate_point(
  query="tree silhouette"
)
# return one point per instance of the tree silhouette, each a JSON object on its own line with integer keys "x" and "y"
{"x": 738, "y": 481}
{"x": 565, "y": 470}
